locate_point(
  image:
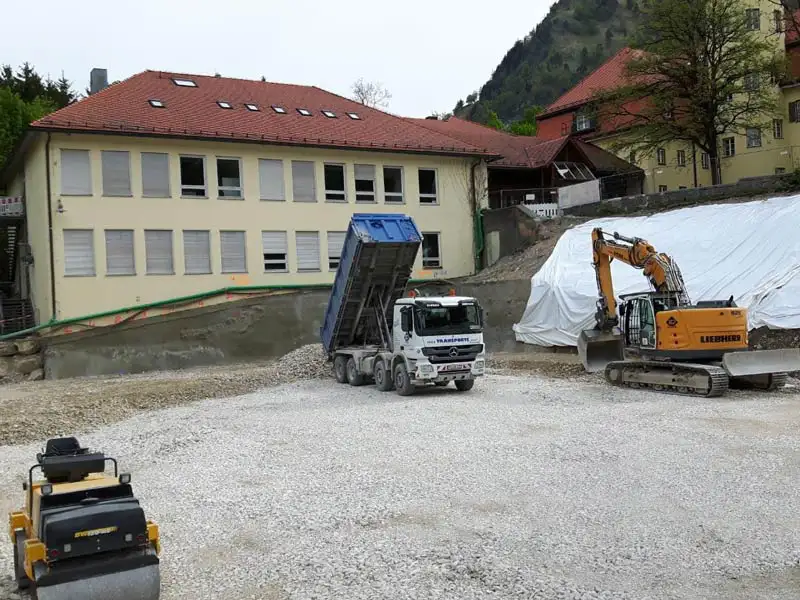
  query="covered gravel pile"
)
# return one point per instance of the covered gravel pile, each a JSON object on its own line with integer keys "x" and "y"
{"x": 523, "y": 488}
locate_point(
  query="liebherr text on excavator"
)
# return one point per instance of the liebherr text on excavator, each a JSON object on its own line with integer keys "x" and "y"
{"x": 662, "y": 341}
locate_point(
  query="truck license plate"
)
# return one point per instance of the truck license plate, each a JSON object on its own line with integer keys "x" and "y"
{"x": 456, "y": 367}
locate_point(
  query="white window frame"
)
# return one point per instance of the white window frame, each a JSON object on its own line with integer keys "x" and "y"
{"x": 75, "y": 272}
{"x": 429, "y": 199}
{"x": 391, "y": 197}
{"x": 284, "y": 241}
{"x": 204, "y": 187}
{"x": 122, "y": 192}
{"x": 150, "y": 268}
{"x": 661, "y": 156}
{"x": 339, "y": 196}
{"x": 777, "y": 129}
{"x": 729, "y": 147}
{"x": 428, "y": 266}
{"x": 129, "y": 266}
{"x": 157, "y": 194}
{"x": 302, "y": 266}
{"x": 333, "y": 241}
{"x": 222, "y": 244}
{"x": 366, "y": 197}
{"x": 662, "y": 188}
{"x": 237, "y": 190}
{"x": 705, "y": 160}
{"x": 186, "y": 270}
{"x": 582, "y": 122}
{"x": 753, "y": 136}
{"x": 298, "y": 163}
{"x": 681, "y": 157}
{"x": 86, "y": 177}
{"x": 277, "y": 162}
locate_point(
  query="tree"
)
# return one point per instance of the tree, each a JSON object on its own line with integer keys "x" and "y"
{"x": 371, "y": 94}
{"x": 697, "y": 72}
{"x": 494, "y": 121}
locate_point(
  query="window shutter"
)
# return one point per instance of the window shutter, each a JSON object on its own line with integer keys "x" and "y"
{"x": 158, "y": 248}
{"x": 270, "y": 174}
{"x": 307, "y": 250}
{"x": 76, "y": 173}
{"x": 303, "y": 181}
{"x": 78, "y": 252}
{"x": 197, "y": 251}
{"x": 365, "y": 172}
{"x": 116, "y": 173}
{"x": 155, "y": 175}
{"x": 119, "y": 252}
{"x": 335, "y": 244}
{"x": 274, "y": 245}
{"x": 233, "y": 250}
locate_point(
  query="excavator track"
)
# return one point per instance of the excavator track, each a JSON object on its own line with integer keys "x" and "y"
{"x": 686, "y": 379}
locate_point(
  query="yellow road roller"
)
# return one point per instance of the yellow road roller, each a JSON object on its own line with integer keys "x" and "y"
{"x": 82, "y": 534}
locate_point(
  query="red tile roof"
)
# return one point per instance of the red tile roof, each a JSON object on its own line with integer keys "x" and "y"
{"x": 193, "y": 112}
{"x": 516, "y": 150}
{"x": 607, "y": 76}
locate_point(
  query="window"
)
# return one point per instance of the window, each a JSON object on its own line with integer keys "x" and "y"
{"x": 393, "y": 185}
{"x": 431, "y": 252}
{"x": 252, "y": 107}
{"x": 729, "y": 97}
{"x": 76, "y": 173}
{"x": 752, "y": 81}
{"x": 193, "y": 176}
{"x": 780, "y": 170}
{"x": 427, "y": 186}
{"x": 335, "y": 245}
{"x": 334, "y": 183}
{"x": 753, "y": 137}
{"x": 156, "y": 104}
{"x": 116, "y": 167}
{"x": 274, "y": 246}
{"x": 155, "y": 175}
{"x": 681, "y": 158}
{"x": 223, "y": 104}
{"x": 119, "y": 252}
{"x": 728, "y": 146}
{"x": 354, "y": 116}
{"x": 632, "y": 158}
{"x": 307, "y": 243}
{"x": 279, "y": 109}
{"x": 270, "y": 179}
{"x": 304, "y": 111}
{"x": 681, "y": 187}
{"x": 753, "y": 17}
{"x": 794, "y": 111}
{"x": 229, "y": 177}
{"x": 329, "y": 114}
{"x": 582, "y": 122}
{"x": 662, "y": 188}
{"x": 78, "y": 252}
{"x": 196, "y": 252}
{"x": 704, "y": 160}
{"x": 158, "y": 252}
{"x": 778, "y": 18}
{"x": 184, "y": 82}
{"x": 233, "y": 251}
{"x": 304, "y": 187}
{"x": 365, "y": 183}
{"x": 661, "y": 154}
{"x": 777, "y": 129}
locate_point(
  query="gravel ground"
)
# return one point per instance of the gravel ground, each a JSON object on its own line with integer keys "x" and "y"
{"x": 525, "y": 487}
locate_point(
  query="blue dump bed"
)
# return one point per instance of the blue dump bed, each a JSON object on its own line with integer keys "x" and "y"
{"x": 376, "y": 263}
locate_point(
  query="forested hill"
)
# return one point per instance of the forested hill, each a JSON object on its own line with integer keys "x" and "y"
{"x": 574, "y": 38}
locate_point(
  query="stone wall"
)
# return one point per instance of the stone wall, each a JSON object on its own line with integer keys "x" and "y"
{"x": 21, "y": 360}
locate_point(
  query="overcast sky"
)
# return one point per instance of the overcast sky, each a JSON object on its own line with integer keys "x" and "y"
{"x": 428, "y": 53}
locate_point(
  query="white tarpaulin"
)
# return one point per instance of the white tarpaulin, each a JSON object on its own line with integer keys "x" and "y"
{"x": 749, "y": 250}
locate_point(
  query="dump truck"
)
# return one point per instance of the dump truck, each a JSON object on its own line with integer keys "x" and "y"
{"x": 373, "y": 331}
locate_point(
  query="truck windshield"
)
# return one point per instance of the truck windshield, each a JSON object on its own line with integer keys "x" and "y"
{"x": 439, "y": 320}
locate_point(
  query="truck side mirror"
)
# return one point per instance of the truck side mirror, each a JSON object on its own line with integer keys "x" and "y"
{"x": 482, "y": 314}
{"x": 405, "y": 320}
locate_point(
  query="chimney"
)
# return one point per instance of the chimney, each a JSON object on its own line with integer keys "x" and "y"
{"x": 98, "y": 80}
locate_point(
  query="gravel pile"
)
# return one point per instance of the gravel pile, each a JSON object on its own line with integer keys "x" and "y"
{"x": 521, "y": 488}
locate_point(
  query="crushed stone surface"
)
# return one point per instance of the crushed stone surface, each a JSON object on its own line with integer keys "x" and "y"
{"x": 525, "y": 487}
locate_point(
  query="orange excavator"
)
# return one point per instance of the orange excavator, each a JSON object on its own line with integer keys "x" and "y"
{"x": 662, "y": 341}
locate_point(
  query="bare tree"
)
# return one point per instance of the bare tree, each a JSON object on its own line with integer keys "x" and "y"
{"x": 371, "y": 94}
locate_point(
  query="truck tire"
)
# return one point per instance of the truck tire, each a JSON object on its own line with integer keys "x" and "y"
{"x": 464, "y": 385}
{"x": 23, "y": 583}
{"x": 353, "y": 376}
{"x": 340, "y": 368}
{"x": 402, "y": 382}
{"x": 383, "y": 379}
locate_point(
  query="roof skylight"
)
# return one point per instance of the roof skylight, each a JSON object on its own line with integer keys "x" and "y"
{"x": 304, "y": 111}
{"x": 223, "y": 104}
{"x": 354, "y": 116}
{"x": 279, "y": 109}
{"x": 329, "y": 114}
{"x": 184, "y": 82}
{"x": 253, "y": 107}
{"x": 156, "y": 103}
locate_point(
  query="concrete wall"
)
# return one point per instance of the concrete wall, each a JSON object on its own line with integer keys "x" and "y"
{"x": 515, "y": 229}
{"x": 80, "y": 295}
{"x": 237, "y": 331}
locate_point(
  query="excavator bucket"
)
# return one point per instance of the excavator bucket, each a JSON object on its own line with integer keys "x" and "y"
{"x": 597, "y": 348}
{"x": 760, "y": 362}
{"x": 142, "y": 583}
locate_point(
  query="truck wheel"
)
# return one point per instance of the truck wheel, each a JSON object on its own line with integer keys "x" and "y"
{"x": 353, "y": 376}
{"x": 464, "y": 385}
{"x": 23, "y": 583}
{"x": 383, "y": 380}
{"x": 340, "y": 368}
{"x": 402, "y": 382}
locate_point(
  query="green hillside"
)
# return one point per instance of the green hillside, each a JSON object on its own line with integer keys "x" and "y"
{"x": 574, "y": 38}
